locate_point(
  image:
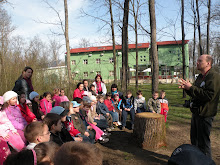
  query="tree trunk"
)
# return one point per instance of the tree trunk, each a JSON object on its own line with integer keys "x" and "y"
{"x": 155, "y": 64}
{"x": 136, "y": 43}
{"x": 183, "y": 45}
{"x": 199, "y": 31}
{"x": 67, "y": 45}
{"x": 194, "y": 39}
{"x": 149, "y": 130}
{"x": 125, "y": 46}
{"x": 208, "y": 23}
{"x": 113, "y": 41}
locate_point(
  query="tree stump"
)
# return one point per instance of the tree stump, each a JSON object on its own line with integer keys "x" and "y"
{"x": 150, "y": 130}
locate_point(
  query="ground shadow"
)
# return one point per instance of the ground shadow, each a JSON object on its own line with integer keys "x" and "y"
{"x": 124, "y": 141}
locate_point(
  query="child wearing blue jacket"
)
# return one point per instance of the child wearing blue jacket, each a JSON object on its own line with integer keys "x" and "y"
{"x": 128, "y": 107}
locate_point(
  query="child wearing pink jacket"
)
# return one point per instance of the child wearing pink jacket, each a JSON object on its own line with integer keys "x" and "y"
{"x": 12, "y": 122}
{"x": 45, "y": 103}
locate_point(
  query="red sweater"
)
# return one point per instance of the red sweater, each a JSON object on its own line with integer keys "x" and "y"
{"x": 70, "y": 127}
{"x": 109, "y": 105}
{"x": 77, "y": 93}
{"x": 26, "y": 113}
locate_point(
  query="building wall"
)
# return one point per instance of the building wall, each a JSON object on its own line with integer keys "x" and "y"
{"x": 170, "y": 57}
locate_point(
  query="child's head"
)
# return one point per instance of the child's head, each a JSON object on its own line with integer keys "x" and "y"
{"x": 66, "y": 105}
{"x": 92, "y": 87}
{"x": 60, "y": 111}
{"x": 47, "y": 96}
{"x": 56, "y": 91}
{"x": 108, "y": 96}
{"x": 53, "y": 122}
{"x": 34, "y": 96}
{"x": 79, "y": 101}
{"x": 93, "y": 99}
{"x": 162, "y": 94}
{"x": 10, "y": 98}
{"x": 74, "y": 107}
{"x": 62, "y": 92}
{"x": 155, "y": 95}
{"x": 24, "y": 157}
{"x": 86, "y": 106}
{"x": 100, "y": 98}
{"x": 114, "y": 87}
{"x": 85, "y": 83}
{"x": 45, "y": 151}
{"x": 116, "y": 97}
{"x": 72, "y": 153}
{"x": 139, "y": 94}
{"x": 21, "y": 98}
{"x": 129, "y": 94}
{"x": 37, "y": 132}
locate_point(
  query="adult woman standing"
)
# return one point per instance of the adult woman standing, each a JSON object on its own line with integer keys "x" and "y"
{"x": 23, "y": 83}
{"x": 78, "y": 92}
{"x": 99, "y": 85}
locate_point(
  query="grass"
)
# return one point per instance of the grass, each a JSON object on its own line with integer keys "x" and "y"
{"x": 174, "y": 95}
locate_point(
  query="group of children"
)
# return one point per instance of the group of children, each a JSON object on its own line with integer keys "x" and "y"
{"x": 41, "y": 126}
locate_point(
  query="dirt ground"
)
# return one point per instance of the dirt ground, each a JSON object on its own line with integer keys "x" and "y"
{"x": 123, "y": 150}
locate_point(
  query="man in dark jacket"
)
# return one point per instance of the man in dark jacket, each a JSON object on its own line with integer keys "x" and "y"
{"x": 23, "y": 83}
{"x": 204, "y": 95}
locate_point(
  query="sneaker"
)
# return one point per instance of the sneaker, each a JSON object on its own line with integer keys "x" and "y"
{"x": 107, "y": 134}
{"x": 119, "y": 123}
{"x": 104, "y": 140}
{"x": 108, "y": 129}
{"x": 132, "y": 126}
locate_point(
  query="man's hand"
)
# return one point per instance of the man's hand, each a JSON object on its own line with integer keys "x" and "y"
{"x": 183, "y": 84}
{"x": 86, "y": 134}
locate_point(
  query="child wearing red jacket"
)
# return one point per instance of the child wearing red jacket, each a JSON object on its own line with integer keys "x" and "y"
{"x": 25, "y": 111}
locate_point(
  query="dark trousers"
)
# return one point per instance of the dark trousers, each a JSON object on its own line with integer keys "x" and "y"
{"x": 102, "y": 123}
{"x": 125, "y": 114}
{"x": 200, "y": 133}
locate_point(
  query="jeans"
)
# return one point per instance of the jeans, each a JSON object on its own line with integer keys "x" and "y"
{"x": 114, "y": 116}
{"x": 125, "y": 114}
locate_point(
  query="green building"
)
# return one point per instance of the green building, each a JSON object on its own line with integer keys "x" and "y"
{"x": 87, "y": 62}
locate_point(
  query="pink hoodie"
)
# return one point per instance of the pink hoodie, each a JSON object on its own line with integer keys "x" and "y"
{"x": 45, "y": 106}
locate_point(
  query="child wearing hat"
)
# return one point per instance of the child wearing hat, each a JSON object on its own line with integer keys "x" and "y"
{"x": 8, "y": 131}
{"x": 25, "y": 111}
{"x": 34, "y": 98}
{"x": 62, "y": 112}
{"x": 86, "y": 132}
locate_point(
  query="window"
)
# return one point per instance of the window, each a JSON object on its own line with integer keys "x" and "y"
{"x": 98, "y": 61}
{"x": 111, "y": 60}
{"x": 141, "y": 59}
{"x": 85, "y": 61}
{"x": 73, "y": 62}
{"x": 98, "y": 72}
{"x": 111, "y": 73}
{"x": 85, "y": 74}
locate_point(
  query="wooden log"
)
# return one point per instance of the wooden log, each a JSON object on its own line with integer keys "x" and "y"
{"x": 150, "y": 130}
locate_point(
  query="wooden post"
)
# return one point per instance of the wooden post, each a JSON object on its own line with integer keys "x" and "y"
{"x": 150, "y": 130}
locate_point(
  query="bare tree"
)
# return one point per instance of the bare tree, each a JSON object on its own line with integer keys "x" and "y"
{"x": 113, "y": 40}
{"x": 208, "y": 24}
{"x": 135, "y": 15}
{"x": 84, "y": 43}
{"x": 66, "y": 33}
{"x": 54, "y": 47}
{"x": 183, "y": 45}
{"x": 153, "y": 51}
{"x": 199, "y": 29}
{"x": 125, "y": 46}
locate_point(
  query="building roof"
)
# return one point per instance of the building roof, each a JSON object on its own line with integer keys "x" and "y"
{"x": 119, "y": 47}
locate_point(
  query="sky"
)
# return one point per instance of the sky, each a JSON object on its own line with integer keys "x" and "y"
{"x": 26, "y": 16}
